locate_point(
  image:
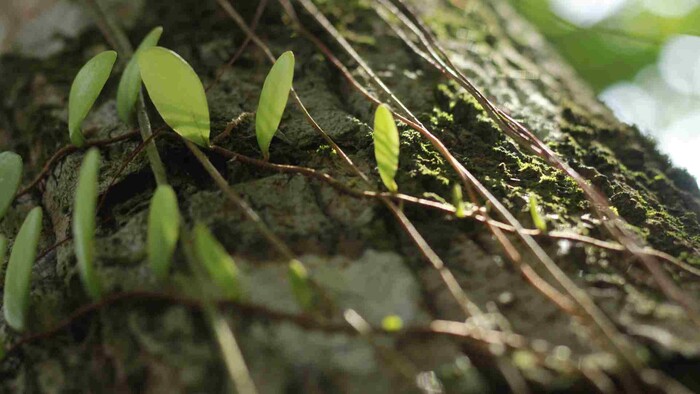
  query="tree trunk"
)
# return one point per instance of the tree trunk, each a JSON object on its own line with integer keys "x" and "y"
{"x": 147, "y": 336}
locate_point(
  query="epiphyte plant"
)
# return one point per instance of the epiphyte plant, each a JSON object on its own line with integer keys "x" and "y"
{"x": 218, "y": 263}
{"x": 84, "y": 212}
{"x": 177, "y": 93}
{"x": 386, "y": 146}
{"x": 301, "y": 285}
{"x": 163, "y": 230}
{"x": 458, "y": 201}
{"x": 273, "y": 101}
{"x": 10, "y": 177}
{"x": 130, "y": 82}
{"x": 19, "y": 271}
{"x": 86, "y": 87}
{"x": 392, "y": 323}
{"x": 537, "y": 218}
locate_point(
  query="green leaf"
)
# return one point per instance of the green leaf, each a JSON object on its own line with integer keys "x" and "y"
{"x": 177, "y": 93}
{"x": 130, "y": 83}
{"x": 10, "y": 177}
{"x": 392, "y": 323}
{"x": 539, "y": 221}
{"x": 458, "y": 201}
{"x": 386, "y": 146}
{"x": 87, "y": 85}
{"x": 84, "y": 216}
{"x": 19, "y": 271}
{"x": 273, "y": 101}
{"x": 218, "y": 263}
{"x": 301, "y": 286}
{"x": 163, "y": 230}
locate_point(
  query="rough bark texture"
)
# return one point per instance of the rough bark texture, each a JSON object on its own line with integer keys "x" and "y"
{"x": 354, "y": 248}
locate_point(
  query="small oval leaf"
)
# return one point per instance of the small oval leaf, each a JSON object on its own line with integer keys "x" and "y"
{"x": 218, "y": 263}
{"x": 84, "y": 217}
{"x": 537, "y": 218}
{"x": 10, "y": 177}
{"x": 273, "y": 101}
{"x": 87, "y": 85}
{"x": 392, "y": 323}
{"x": 177, "y": 93}
{"x": 130, "y": 83}
{"x": 163, "y": 230}
{"x": 301, "y": 286}
{"x": 19, "y": 271}
{"x": 458, "y": 201}
{"x": 386, "y": 146}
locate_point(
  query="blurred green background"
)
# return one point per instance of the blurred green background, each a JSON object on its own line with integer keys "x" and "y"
{"x": 641, "y": 56}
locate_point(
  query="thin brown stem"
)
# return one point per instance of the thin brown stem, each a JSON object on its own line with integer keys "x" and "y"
{"x": 253, "y": 25}
{"x": 441, "y": 207}
{"x": 234, "y": 197}
{"x": 468, "y": 307}
{"x": 67, "y": 150}
{"x": 478, "y": 337}
{"x": 125, "y": 163}
{"x": 114, "y": 34}
{"x": 615, "y": 225}
{"x": 232, "y": 125}
{"x": 587, "y": 306}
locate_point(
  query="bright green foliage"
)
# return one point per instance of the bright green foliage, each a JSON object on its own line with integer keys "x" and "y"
{"x": 617, "y": 47}
{"x": 87, "y": 85}
{"x": 458, "y": 201}
{"x": 163, "y": 230}
{"x": 218, "y": 263}
{"x": 537, "y": 219}
{"x": 19, "y": 271}
{"x": 84, "y": 217}
{"x": 177, "y": 93}
{"x": 130, "y": 83}
{"x": 301, "y": 286}
{"x": 273, "y": 101}
{"x": 392, "y": 323}
{"x": 10, "y": 177}
{"x": 386, "y": 146}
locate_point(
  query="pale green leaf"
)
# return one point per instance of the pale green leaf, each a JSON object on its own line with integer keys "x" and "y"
{"x": 130, "y": 83}
{"x": 87, "y": 85}
{"x": 163, "y": 230}
{"x": 273, "y": 101}
{"x": 458, "y": 201}
{"x": 301, "y": 285}
{"x": 19, "y": 271}
{"x": 386, "y": 146}
{"x": 10, "y": 177}
{"x": 218, "y": 263}
{"x": 537, "y": 218}
{"x": 392, "y": 323}
{"x": 177, "y": 93}
{"x": 84, "y": 217}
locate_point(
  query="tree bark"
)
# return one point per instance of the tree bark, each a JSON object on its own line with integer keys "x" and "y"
{"x": 147, "y": 336}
